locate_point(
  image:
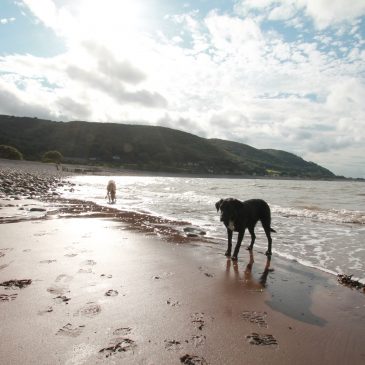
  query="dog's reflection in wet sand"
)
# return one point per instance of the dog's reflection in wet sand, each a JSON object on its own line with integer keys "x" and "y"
{"x": 247, "y": 278}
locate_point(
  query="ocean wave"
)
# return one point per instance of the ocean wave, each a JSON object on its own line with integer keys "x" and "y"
{"x": 322, "y": 215}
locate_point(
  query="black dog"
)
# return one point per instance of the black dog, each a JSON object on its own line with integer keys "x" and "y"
{"x": 237, "y": 216}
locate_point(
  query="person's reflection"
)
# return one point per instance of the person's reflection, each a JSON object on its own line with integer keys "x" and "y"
{"x": 248, "y": 279}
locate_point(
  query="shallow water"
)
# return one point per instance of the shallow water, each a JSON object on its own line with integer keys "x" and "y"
{"x": 319, "y": 223}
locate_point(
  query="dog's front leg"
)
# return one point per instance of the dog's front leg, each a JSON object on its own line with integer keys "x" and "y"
{"x": 238, "y": 245}
{"x": 253, "y": 237}
{"x": 229, "y": 248}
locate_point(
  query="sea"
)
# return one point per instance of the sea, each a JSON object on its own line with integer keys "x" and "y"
{"x": 319, "y": 224}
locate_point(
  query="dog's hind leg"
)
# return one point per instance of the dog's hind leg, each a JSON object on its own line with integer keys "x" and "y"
{"x": 253, "y": 237}
{"x": 267, "y": 230}
{"x": 238, "y": 245}
{"x": 229, "y": 248}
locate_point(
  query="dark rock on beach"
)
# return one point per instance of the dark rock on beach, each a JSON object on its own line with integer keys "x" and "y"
{"x": 194, "y": 232}
{"x": 25, "y": 186}
{"x": 15, "y": 183}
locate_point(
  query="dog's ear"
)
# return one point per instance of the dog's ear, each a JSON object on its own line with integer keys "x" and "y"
{"x": 218, "y": 204}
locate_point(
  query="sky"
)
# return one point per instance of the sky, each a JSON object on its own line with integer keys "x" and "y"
{"x": 281, "y": 74}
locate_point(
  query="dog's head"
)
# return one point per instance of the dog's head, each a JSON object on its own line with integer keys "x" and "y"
{"x": 218, "y": 204}
{"x": 228, "y": 210}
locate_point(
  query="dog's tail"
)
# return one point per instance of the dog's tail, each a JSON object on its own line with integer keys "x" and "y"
{"x": 272, "y": 230}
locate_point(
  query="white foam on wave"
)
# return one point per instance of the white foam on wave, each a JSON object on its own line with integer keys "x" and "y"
{"x": 322, "y": 215}
{"x": 306, "y": 263}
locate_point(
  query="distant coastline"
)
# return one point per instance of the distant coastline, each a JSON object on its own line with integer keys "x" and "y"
{"x": 90, "y": 169}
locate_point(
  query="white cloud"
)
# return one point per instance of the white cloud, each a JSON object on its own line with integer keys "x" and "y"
{"x": 7, "y": 20}
{"x": 329, "y": 12}
{"x": 44, "y": 10}
{"x": 324, "y": 13}
{"x": 23, "y": 103}
{"x": 346, "y": 97}
{"x": 232, "y": 33}
{"x": 282, "y": 12}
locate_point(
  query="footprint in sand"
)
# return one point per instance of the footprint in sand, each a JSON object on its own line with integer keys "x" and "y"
{"x": 173, "y": 303}
{"x": 255, "y": 317}
{"x": 87, "y": 270}
{"x": 71, "y": 254}
{"x": 47, "y": 261}
{"x": 173, "y": 345}
{"x": 205, "y": 272}
{"x": 45, "y": 311}
{"x": 8, "y": 298}
{"x": 118, "y": 345}
{"x": 163, "y": 275}
{"x": 62, "y": 299}
{"x": 193, "y": 360}
{"x": 87, "y": 266}
{"x": 4, "y": 266}
{"x": 2, "y": 253}
{"x": 198, "y": 319}
{"x": 262, "y": 339}
{"x": 112, "y": 293}
{"x": 58, "y": 289}
{"x": 63, "y": 278}
{"x": 90, "y": 310}
{"x": 16, "y": 284}
{"x": 123, "y": 331}
{"x": 88, "y": 263}
{"x": 104, "y": 276}
{"x": 198, "y": 340}
{"x": 70, "y": 330}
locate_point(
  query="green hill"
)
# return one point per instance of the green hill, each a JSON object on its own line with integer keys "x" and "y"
{"x": 148, "y": 148}
{"x": 271, "y": 162}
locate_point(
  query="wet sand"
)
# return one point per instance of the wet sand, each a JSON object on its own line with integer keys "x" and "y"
{"x": 90, "y": 290}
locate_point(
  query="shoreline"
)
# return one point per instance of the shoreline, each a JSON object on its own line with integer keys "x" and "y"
{"x": 80, "y": 169}
{"x": 97, "y": 291}
{"x": 44, "y": 202}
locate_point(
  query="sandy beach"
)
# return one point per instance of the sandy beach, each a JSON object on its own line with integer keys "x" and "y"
{"x": 95, "y": 289}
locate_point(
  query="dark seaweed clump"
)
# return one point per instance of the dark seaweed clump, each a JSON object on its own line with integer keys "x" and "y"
{"x": 347, "y": 281}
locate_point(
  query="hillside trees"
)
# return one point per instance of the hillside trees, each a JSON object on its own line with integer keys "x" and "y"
{"x": 52, "y": 156}
{"x": 10, "y": 153}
